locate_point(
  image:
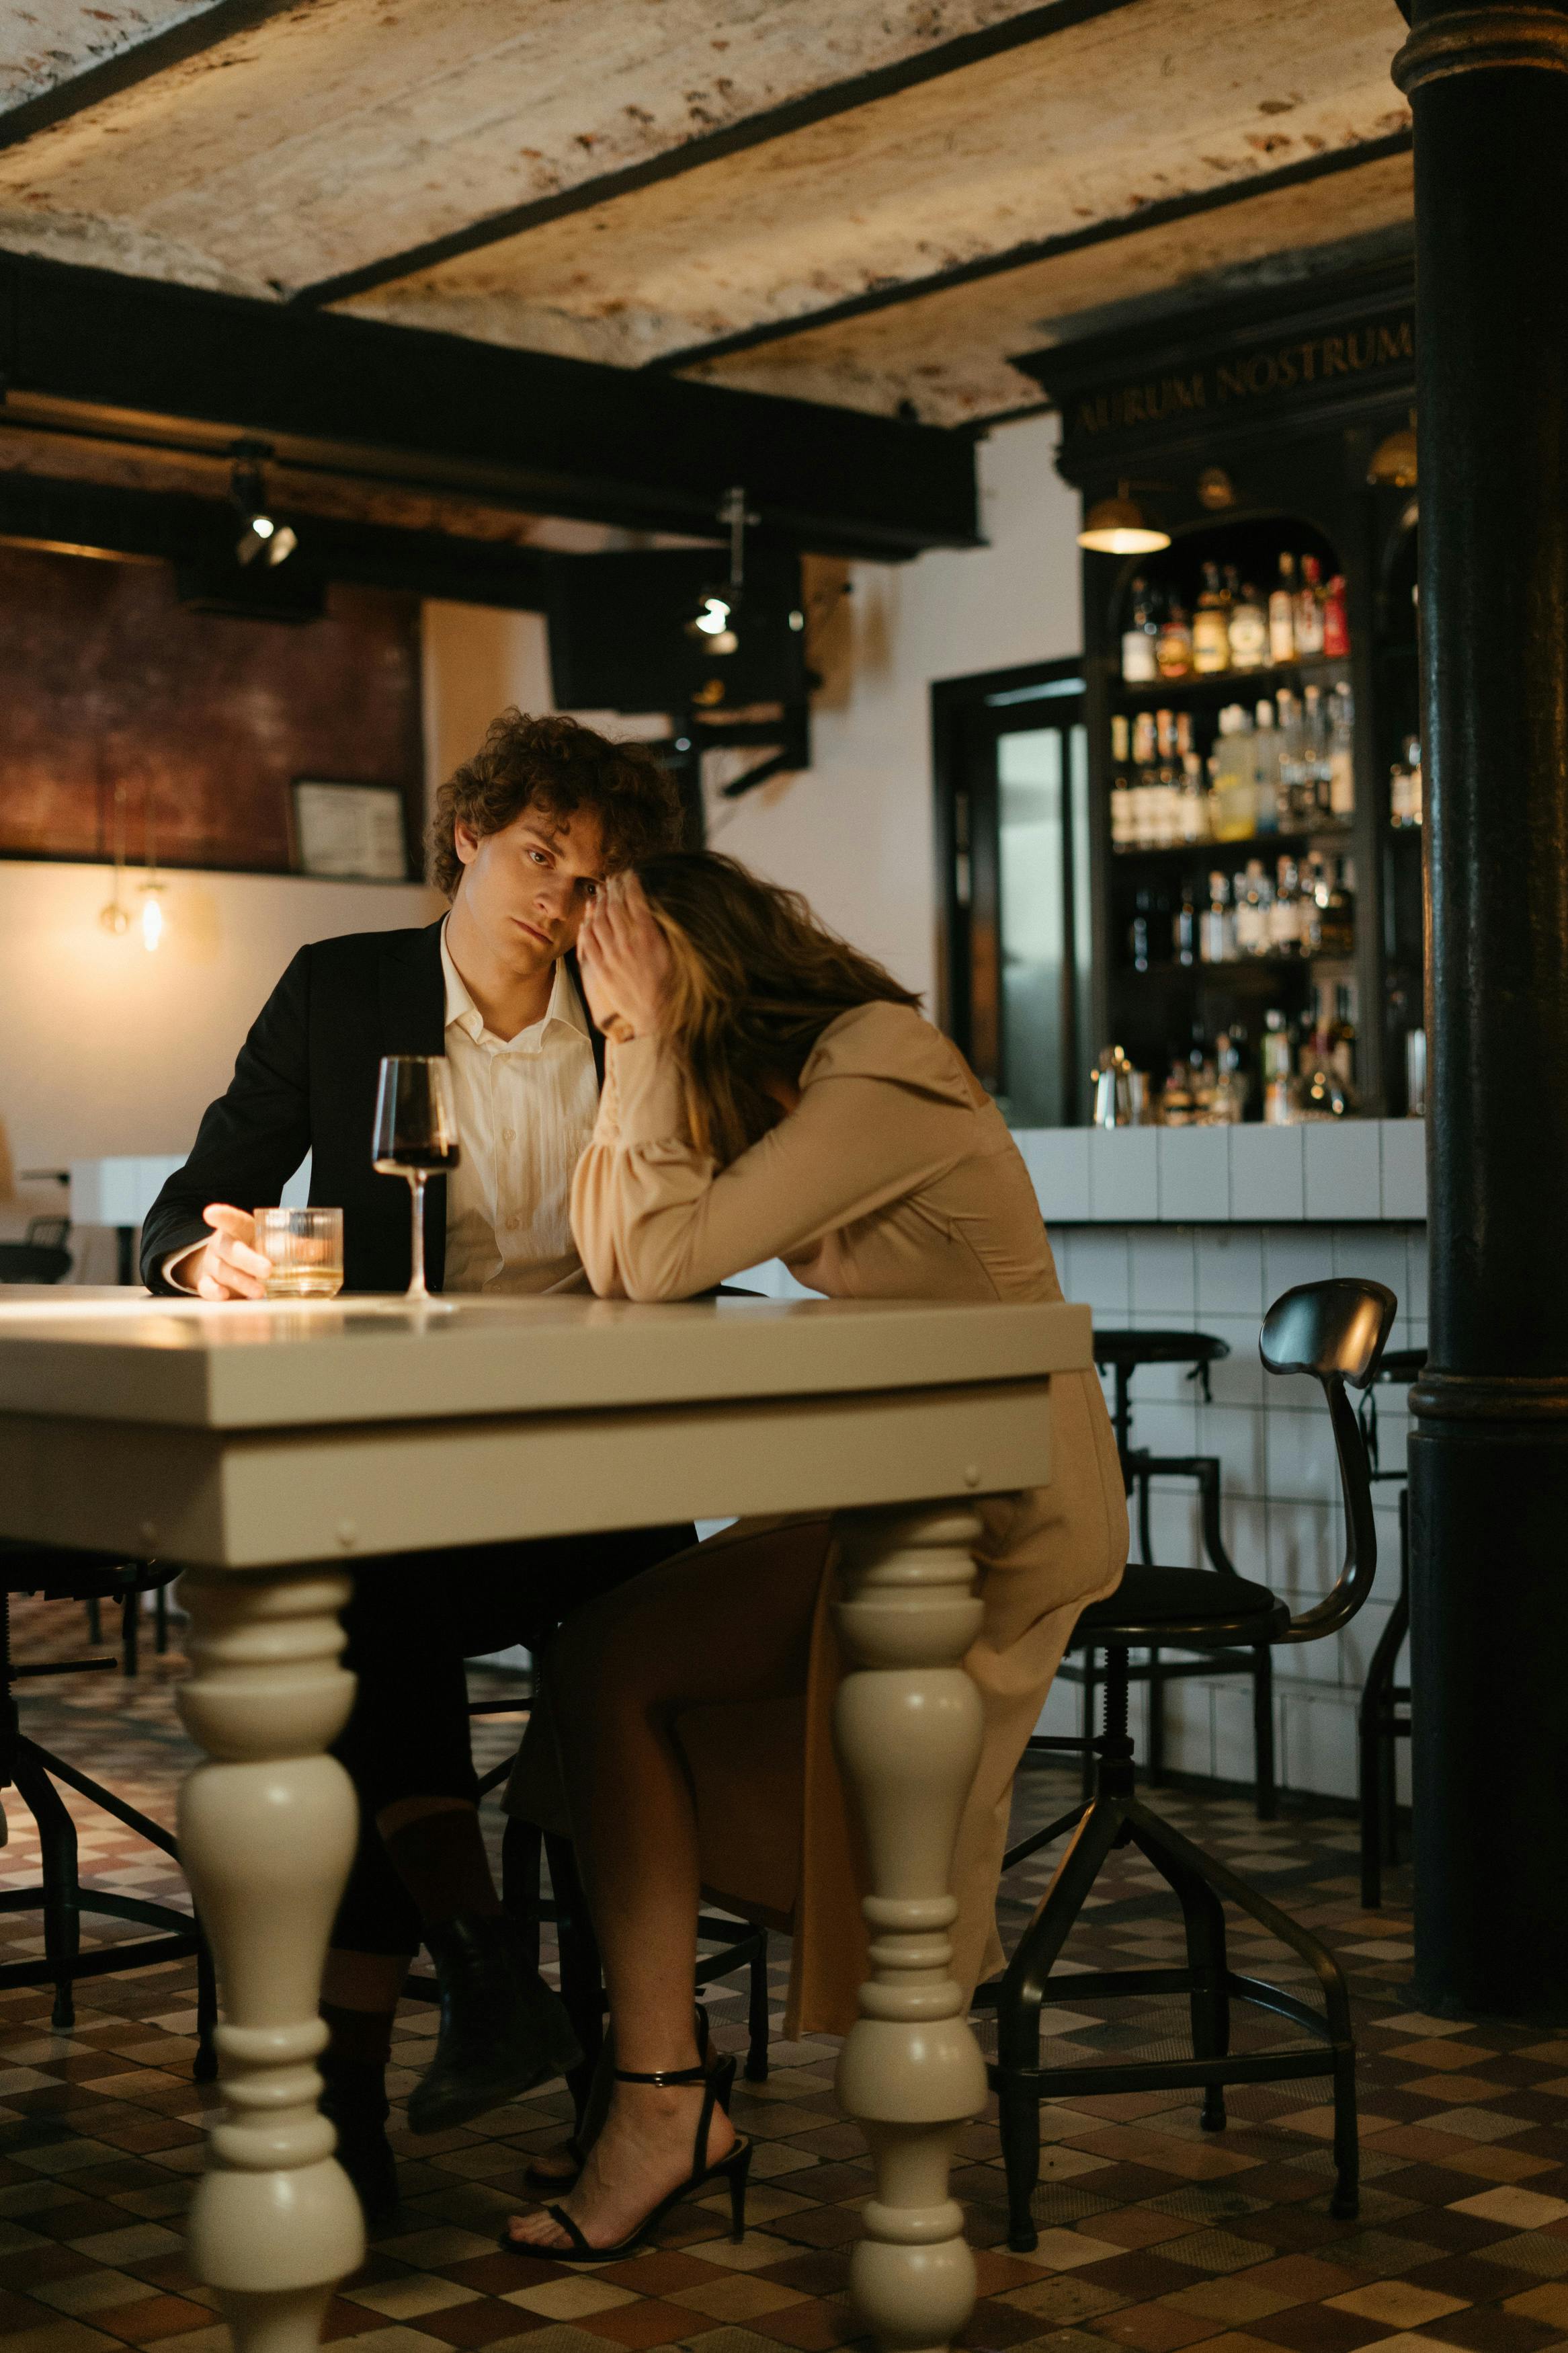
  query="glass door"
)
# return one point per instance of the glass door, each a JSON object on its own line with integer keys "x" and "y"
{"x": 1012, "y": 763}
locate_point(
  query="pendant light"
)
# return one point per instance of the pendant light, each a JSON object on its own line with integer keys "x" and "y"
{"x": 1119, "y": 526}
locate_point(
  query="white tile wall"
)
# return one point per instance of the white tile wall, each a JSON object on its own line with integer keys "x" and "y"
{"x": 1324, "y": 1173}
{"x": 1281, "y": 1512}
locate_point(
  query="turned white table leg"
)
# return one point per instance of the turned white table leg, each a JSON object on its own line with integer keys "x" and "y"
{"x": 908, "y": 1726}
{"x": 266, "y": 1835}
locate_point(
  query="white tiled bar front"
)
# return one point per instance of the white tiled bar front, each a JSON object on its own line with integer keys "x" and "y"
{"x": 1200, "y": 1228}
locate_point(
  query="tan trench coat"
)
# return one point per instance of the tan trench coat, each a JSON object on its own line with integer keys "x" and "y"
{"x": 895, "y": 1178}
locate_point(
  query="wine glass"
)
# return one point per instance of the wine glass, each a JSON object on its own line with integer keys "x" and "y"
{"x": 415, "y": 1136}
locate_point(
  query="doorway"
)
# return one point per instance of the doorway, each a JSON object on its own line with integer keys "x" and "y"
{"x": 1011, "y": 761}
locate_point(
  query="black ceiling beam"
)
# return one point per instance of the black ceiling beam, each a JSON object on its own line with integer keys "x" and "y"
{"x": 933, "y": 63}
{"x": 1161, "y": 215}
{"x": 174, "y": 527}
{"x": 138, "y": 63}
{"x": 561, "y": 436}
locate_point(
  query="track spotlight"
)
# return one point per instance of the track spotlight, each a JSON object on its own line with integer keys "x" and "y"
{"x": 263, "y": 535}
{"x": 715, "y": 624}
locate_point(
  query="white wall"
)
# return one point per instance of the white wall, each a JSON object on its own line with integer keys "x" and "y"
{"x": 855, "y": 832}
{"x": 105, "y": 1049}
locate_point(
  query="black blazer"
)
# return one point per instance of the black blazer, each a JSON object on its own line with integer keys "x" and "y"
{"x": 305, "y": 1081}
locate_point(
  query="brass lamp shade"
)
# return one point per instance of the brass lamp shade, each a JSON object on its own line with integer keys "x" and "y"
{"x": 1118, "y": 526}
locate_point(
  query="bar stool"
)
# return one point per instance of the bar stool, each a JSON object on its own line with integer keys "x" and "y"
{"x": 33, "y": 1770}
{"x": 1380, "y": 1722}
{"x": 1334, "y": 1330}
{"x": 1121, "y": 1353}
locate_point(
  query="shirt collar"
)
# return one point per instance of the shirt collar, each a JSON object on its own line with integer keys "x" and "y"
{"x": 462, "y": 1013}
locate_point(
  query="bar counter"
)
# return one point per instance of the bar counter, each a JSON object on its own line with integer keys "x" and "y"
{"x": 1199, "y": 1229}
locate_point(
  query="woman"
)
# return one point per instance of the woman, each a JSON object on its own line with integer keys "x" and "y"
{"x": 772, "y": 1093}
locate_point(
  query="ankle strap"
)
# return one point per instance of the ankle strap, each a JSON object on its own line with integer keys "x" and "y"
{"x": 698, "y": 2074}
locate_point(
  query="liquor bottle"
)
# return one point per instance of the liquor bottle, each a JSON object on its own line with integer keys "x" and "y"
{"x": 1314, "y": 900}
{"x": 1211, "y": 625}
{"x": 1185, "y": 928}
{"x": 1336, "y": 620}
{"x": 1138, "y": 931}
{"x": 1184, "y": 734}
{"x": 1195, "y": 824}
{"x": 1337, "y": 927}
{"x": 1341, "y": 1034}
{"x": 1341, "y": 755}
{"x": 1121, "y": 831}
{"x": 1279, "y": 1105}
{"x": 1308, "y": 611}
{"x": 1231, "y": 1088}
{"x": 1283, "y": 612}
{"x": 1143, "y": 785}
{"x": 1138, "y": 664}
{"x": 1285, "y": 916}
{"x": 1165, "y": 735}
{"x": 1174, "y": 648}
{"x": 1217, "y": 935}
{"x": 1315, "y": 772}
{"x": 1167, "y": 811}
{"x": 1235, "y": 777}
{"x": 1399, "y": 797}
{"x": 1292, "y": 766}
{"x": 1266, "y": 746}
{"x": 1252, "y": 912}
{"x": 1248, "y": 632}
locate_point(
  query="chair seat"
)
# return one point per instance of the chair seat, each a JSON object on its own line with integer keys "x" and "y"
{"x": 1114, "y": 1348}
{"x": 1192, "y": 1608}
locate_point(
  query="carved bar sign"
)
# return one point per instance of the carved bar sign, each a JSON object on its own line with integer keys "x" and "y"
{"x": 1253, "y": 373}
{"x": 1271, "y": 371}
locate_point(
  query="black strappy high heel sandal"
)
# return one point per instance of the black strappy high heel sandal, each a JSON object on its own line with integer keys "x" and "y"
{"x": 733, "y": 2169}
{"x": 575, "y": 2148}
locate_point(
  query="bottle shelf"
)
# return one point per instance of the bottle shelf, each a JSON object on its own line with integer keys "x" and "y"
{"x": 1168, "y": 971}
{"x": 1249, "y": 844}
{"x": 1229, "y": 685}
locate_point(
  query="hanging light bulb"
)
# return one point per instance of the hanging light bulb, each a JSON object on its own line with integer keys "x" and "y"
{"x": 116, "y": 917}
{"x": 152, "y": 921}
{"x": 1118, "y": 526}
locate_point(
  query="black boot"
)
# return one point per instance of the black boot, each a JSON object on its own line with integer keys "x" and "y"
{"x": 502, "y": 2029}
{"x": 354, "y": 2099}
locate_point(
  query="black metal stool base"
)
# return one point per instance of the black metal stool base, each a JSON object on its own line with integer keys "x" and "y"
{"x": 62, "y": 1900}
{"x": 1116, "y": 1817}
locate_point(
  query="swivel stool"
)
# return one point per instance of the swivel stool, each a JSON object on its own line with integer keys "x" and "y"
{"x": 1335, "y": 1331}
{"x": 1384, "y": 1717}
{"x": 1121, "y": 1353}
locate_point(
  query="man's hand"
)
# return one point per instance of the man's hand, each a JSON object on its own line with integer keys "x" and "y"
{"x": 229, "y": 1266}
{"x": 625, "y": 961}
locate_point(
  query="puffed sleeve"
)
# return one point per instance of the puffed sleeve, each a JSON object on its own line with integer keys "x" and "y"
{"x": 656, "y": 1218}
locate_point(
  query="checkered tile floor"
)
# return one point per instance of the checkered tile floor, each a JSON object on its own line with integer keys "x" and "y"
{"x": 1153, "y": 2236}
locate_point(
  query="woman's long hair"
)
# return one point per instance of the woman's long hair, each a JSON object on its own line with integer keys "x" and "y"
{"x": 756, "y": 981}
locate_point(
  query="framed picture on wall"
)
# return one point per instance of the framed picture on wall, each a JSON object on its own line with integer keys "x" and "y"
{"x": 352, "y": 832}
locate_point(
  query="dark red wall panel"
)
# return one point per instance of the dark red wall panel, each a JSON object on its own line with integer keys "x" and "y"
{"x": 106, "y": 681}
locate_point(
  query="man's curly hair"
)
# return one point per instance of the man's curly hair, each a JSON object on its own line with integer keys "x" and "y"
{"x": 558, "y": 765}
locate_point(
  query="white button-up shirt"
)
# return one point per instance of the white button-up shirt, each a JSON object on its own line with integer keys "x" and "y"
{"x": 526, "y": 1107}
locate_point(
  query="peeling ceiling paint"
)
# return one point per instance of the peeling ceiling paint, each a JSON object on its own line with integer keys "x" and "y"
{"x": 339, "y": 133}
{"x": 948, "y": 353}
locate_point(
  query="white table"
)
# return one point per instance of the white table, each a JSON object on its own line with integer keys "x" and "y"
{"x": 248, "y": 1440}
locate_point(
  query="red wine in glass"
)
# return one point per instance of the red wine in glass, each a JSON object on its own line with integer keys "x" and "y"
{"x": 416, "y": 1136}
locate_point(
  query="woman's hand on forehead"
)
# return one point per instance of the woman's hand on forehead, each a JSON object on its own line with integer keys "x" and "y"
{"x": 625, "y": 961}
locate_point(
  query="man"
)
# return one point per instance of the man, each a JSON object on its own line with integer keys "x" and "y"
{"x": 523, "y": 836}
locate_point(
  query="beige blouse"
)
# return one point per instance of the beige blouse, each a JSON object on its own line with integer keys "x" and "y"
{"x": 895, "y": 1178}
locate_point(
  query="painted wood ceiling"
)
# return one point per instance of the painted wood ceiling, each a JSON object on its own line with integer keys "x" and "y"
{"x": 874, "y": 202}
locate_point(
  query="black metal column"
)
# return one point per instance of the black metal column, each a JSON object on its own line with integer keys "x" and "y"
{"x": 1488, "y": 88}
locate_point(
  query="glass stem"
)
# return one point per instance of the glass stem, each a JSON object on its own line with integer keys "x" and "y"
{"x": 417, "y": 1282}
